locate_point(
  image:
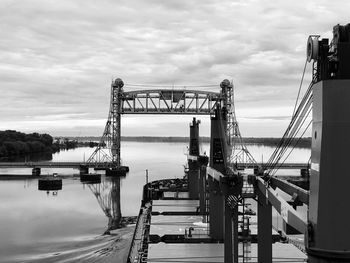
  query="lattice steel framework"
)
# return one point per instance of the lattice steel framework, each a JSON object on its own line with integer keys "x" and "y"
{"x": 163, "y": 101}
{"x": 110, "y": 139}
{"x": 166, "y": 101}
{"x": 237, "y": 150}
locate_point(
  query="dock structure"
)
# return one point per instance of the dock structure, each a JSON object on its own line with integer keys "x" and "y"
{"x": 48, "y": 164}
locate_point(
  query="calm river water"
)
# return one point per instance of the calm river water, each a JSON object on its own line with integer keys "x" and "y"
{"x": 68, "y": 227}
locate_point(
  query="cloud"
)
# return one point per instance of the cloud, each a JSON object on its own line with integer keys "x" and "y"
{"x": 58, "y": 58}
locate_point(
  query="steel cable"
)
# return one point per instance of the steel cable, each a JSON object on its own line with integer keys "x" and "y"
{"x": 294, "y": 131}
{"x": 298, "y": 118}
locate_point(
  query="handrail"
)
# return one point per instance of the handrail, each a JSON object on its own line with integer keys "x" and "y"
{"x": 134, "y": 255}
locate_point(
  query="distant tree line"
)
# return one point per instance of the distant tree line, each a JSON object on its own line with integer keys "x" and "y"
{"x": 14, "y": 143}
{"x": 304, "y": 142}
{"x": 91, "y": 141}
{"x": 65, "y": 143}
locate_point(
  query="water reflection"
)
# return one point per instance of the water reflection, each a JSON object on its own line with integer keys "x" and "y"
{"x": 107, "y": 194}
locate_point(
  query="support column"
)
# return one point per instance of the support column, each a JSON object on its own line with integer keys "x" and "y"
{"x": 203, "y": 162}
{"x": 235, "y": 235}
{"x": 194, "y": 165}
{"x": 193, "y": 179}
{"x": 228, "y": 249}
{"x": 202, "y": 188}
{"x": 264, "y": 229}
{"x": 216, "y": 210}
{"x": 231, "y": 187}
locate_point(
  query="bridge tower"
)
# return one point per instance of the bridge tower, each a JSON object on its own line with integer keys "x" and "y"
{"x": 111, "y": 137}
{"x": 237, "y": 151}
{"x": 329, "y": 215}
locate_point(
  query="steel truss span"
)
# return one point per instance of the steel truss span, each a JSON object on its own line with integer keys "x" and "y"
{"x": 163, "y": 101}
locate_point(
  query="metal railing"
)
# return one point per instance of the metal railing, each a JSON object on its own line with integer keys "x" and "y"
{"x": 137, "y": 249}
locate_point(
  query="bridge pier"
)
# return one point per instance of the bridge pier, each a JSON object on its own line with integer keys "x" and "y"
{"x": 36, "y": 171}
{"x": 83, "y": 169}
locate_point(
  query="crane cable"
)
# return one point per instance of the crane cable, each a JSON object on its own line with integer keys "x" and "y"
{"x": 301, "y": 84}
{"x": 286, "y": 135}
{"x": 291, "y": 133}
{"x": 280, "y": 165}
{"x": 294, "y": 131}
{"x": 290, "y": 141}
{"x": 295, "y": 116}
{"x": 298, "y": 118}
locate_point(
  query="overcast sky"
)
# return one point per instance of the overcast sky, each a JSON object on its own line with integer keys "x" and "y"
{"x": 58, "y": 58}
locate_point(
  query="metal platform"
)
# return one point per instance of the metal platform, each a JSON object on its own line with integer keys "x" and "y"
{"x": 187, "y": 250}
{"x": 165, "y": 253}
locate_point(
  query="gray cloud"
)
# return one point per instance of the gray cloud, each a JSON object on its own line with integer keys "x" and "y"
{"x": 58, "y": 57}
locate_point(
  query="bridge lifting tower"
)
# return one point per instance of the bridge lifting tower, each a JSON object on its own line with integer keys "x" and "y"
{"x": 237, "y": 152}
{"x": 111, "y": 137}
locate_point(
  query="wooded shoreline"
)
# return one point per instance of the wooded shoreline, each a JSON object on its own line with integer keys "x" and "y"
{"x": 302, "y": 143}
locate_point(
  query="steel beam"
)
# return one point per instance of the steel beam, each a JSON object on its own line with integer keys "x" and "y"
{"x": 289, "y": 188}
{"x": 288, "y": 213}
{"x": 166, "y": 101}
{"x": 216, "y": 175}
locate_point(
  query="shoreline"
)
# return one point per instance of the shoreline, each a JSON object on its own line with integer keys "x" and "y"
{"x": 265, "y": 141}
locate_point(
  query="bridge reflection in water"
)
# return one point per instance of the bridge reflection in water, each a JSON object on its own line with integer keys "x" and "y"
{"x": 107, "y": 193}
